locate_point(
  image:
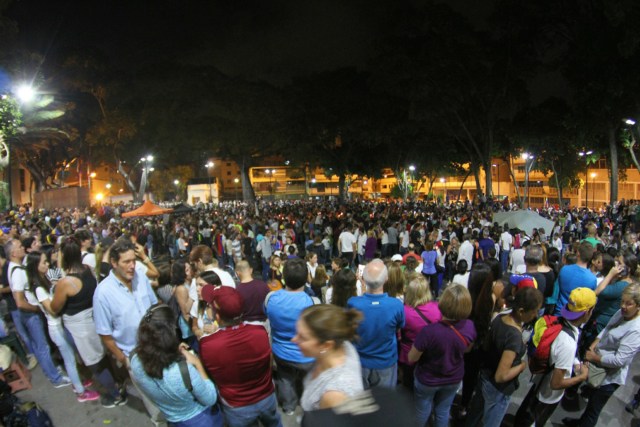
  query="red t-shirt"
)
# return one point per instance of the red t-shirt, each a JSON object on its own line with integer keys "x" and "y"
{"x": 413, "y": 255}
{"x": 238, "y": 359}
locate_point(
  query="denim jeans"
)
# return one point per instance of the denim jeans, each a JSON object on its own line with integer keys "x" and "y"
{"x": 504, "y": 260}
{"x": 265, "y": 269}
{"x": 438, "y": 398}
{"x": 488, "y": 404}
{"x": 386, "y": 377}
{"x": 210, "y": 417}
{"x": 265, "y": 411}
{"x": 597, "y": 400}
{"x": 60, "y": 338}
{"x": 288, "y": 381}
{"x": 31, "y": 330}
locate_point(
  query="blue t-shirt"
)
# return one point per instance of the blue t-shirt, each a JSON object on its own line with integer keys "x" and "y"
{"x": 571, "y": 277}
{"x": 283, "y": 310}
{"x": 429, "y": 262}
{"x": 383, "y": 316}
{"x": 170, "y": 394}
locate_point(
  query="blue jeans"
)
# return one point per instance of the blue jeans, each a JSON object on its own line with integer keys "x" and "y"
{"x": 438, "y": 398}
{"x": 288, "y": 381}
{"x": 265, "y": 411}
{"x": 504, "y": 260}
{"x": 265, "y": 269}
{"x": 66, "y": 348}
{"x": 209, "y": 417}
{"x": 597, "y": 400}
{"x": 386, "y": 377}
{"x": 488, "y": 404}
{"x": 31, "y": 330}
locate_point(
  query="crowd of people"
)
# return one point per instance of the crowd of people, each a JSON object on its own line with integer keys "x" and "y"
{"x": 242, "y": 313}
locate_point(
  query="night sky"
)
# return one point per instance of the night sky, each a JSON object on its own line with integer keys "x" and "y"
{"x": 271, "y": 40}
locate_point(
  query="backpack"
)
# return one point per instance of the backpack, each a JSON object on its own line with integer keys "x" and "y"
{"x": 546, "y": 330}
{"x": 28, "y": 414}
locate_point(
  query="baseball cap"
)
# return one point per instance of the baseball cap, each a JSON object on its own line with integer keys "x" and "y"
{"x": 580, "y": 301}
{"x": 523, "y": 281}
{"x": 396, "y": 257}
{"x": 207, "y": 293}
{"x": 227, "y": 302}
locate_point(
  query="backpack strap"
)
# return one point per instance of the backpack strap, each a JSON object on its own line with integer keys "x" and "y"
{"x": 464, "y": 340}
{"x": 427, "y": 321}
{"x": 186, "y": 378}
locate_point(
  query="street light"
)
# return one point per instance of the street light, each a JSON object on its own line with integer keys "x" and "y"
{"x": 593, "y": 190}
{"x": 585, "y": 154}
{"x": 25, "y": 93}
{"x": 209, "y": 166}
{"x": 235, "y": 181}
{"x": 528, "y": 164}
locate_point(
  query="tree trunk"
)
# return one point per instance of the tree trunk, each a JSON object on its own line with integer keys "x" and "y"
{"x": 513, "y": 178}
{"x": 128, "y": 181}
{"x": 248, "y": 193}
{"x": 463, "y": 181}
{"x": 558, "y": 186}
{"x": 476, "y": 175}
{"x": 613, "y": 148}
{"x": 488, "y": 178}
{"x": 341, "y": 187}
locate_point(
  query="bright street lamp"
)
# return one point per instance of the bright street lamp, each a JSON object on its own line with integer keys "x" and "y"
{"x": 209, "y": 166}
{"x": 528, "y": 164}
{"x": 176, "y": 182}
{"x": 630, "y": 122}
{"x": 25, "y": 93}
{"x": 586, "y": 173}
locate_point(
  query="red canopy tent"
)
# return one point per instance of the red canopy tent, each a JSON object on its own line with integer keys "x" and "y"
{"x": 147, "y": 209}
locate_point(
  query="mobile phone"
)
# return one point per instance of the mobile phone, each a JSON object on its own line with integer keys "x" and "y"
{"x": 360, "y": 270}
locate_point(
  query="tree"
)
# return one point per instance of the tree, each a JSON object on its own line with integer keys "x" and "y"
{"x": 465, "y": 82}
{"x": 163, "y": 183}
{"x": 340, "y": 123}
{"x": 596, "y": 46}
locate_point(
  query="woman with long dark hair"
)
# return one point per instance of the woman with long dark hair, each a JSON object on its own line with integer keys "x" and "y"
{"x": 156, "y": 368}
{"x": 39, "y": 287}
{"x": 342, "y": 287}
{"x": 203, "y": 321}
{"x": 73, "y": 297}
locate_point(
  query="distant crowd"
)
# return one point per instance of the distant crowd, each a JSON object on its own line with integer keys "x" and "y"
{"x": 237, "y": 313}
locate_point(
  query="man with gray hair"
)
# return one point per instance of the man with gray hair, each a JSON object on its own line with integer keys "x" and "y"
{"x": 383, "y": 316}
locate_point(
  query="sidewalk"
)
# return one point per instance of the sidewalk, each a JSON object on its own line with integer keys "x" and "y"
{"x": 65, "y": 410}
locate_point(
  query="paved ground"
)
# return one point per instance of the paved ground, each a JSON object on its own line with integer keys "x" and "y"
{"x": 66, "y": 411}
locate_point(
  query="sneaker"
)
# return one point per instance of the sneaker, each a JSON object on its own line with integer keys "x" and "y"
{"x": 632, "y": 406}
{"x": 110, "y": 402}
{"x": 32, "y": 361}
{"x": 64, "y": 381}
{"x": 87, "y": 383}
{"x": 571, "y": 422}
{"x": 289, "y": 413}
{"x": 88, "y": 396}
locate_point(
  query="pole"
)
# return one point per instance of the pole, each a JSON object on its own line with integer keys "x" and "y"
{"x": 593, "y": 195}
{"x": 586, "y": 185}
{"x": 498, "y": 180}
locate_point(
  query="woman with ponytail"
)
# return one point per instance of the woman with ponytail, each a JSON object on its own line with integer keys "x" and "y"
{"x": 324, "y": 332}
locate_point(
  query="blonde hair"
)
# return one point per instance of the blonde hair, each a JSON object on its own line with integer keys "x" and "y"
{"x": 418, "y": 291}
{"x": 455, "y": 303}
{"x": 394, "y": 285}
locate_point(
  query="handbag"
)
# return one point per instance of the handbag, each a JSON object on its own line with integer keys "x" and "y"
{"x": 596, "y": 376}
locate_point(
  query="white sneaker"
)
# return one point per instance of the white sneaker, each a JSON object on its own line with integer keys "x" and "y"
{"x": 32, "y": 361}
